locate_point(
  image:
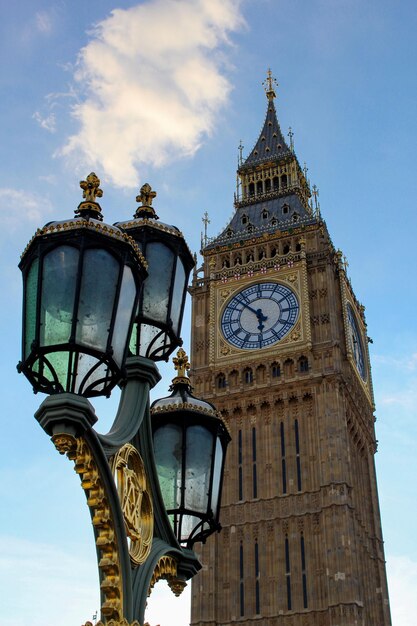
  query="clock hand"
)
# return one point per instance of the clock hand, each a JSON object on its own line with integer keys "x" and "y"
{"x": 249, "y": 307}
{"x": 258, "y": 312}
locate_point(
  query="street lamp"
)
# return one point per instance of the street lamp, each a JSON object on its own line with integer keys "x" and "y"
{"x": 190, "y": 441}
{"x": 82, "y": 297}
{"x": 157, "y": 329}
{"x": 81, "y": 283}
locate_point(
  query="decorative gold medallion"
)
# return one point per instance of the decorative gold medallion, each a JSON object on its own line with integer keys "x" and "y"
{"x": 135, "y": 500}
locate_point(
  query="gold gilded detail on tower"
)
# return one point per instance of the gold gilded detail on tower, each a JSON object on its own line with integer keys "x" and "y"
{"x": 135, "y": 500}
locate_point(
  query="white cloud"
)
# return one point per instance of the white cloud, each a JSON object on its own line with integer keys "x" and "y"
{"x": 408, "y": 361}
{"x": 402, "y": 582}
{"x": 18, "y": 207}
{"x": 44, "y": 22}
{"x": 48, "y": 122}
{"x": 153, "y": 82}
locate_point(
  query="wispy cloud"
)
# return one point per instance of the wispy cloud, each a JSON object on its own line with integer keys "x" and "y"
{"x": 408, "y": 361}
{"x": 47, "y": 122}
{"x": 153, "y": 79}
{"x": 18, "y": 207}
{"x": 44, "y": 22}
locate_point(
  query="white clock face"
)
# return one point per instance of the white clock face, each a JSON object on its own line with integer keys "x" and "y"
{"x": 356, "y": 344}
{"x": 259, "y": 316}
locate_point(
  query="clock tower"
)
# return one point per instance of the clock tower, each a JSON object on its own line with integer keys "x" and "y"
{"x": 279, "y": 345}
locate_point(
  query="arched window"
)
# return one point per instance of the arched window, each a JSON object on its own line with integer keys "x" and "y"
{"x": 284, "y": 181}
{"x": 303, "y": 364}
{"x": 244, "y": 219}
{"x": 221, "y": 381}
{"x": 260, "y": 374}
{"x": 289, "y": 368}
{"x": 267, "y": 185}
{"x": 233, "y": 378}
{"x": 264, "y": 214}
{"x": 298, "y": 247}
{"x": 303, "y": 571}
{"x": 259, "y": 187}
{"x": 251, "y": 189}
{"x": 285, "y": 209}
{"x": 248, "y": 376}
{"x": 286, "y": 248}
{"x": 275, "y": 370}
{"x": 288, "y": 572}
{"x": 275, "y": 183}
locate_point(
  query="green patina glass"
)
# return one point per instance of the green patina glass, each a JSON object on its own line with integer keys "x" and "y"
{"x": 30, "y": 307}
{"x": 59, "y": 278}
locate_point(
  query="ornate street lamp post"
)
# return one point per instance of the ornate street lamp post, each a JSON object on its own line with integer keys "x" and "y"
{"x": 84, "y": 304}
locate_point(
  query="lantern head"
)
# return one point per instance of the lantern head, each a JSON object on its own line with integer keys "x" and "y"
{"x": 190, "y": 441}
{"x": 81, "y": 281}
{"x": 157, "y": 328}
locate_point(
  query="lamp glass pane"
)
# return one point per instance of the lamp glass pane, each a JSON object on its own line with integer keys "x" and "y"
{"x": 188, "y": 523}
{"x": 30, "y": 306}
{"x": 87, "y": 365}
{"x": 57, "y": 371}
{"x": 199, "y": 449}
{"x": 217, "y": 472}
{"x": 98, "y": 290}
{"x": 124, "y": 314}
{"x": 168, "y": 458}
{"x": 157, "y": 286}
{"x": 177, "y": 295}
{"x": 152, "y": 341}
{"x": 59, "y": 277}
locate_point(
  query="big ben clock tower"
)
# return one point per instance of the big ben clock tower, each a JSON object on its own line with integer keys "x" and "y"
{"x": 279, "y": 345}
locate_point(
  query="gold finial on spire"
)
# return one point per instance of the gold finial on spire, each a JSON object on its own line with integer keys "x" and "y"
{"x": 269, "y": 85}
{"x": 146, "y": 196}
{"x": 182, "y": 366}
{"x": 91, "y": 191}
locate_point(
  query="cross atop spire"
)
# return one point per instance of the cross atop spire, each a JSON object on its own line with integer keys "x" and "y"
{"x": 269, "y": 85}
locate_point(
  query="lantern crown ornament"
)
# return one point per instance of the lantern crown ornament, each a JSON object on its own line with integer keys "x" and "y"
{"x": 190, "y": 442}
{"x": 157, "y": 328}
{"x": 82, "y": 280}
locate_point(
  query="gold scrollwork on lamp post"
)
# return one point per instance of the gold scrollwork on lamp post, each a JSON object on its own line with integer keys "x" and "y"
{"x": 130, "y": 476}
{"x": 78, "y": 451}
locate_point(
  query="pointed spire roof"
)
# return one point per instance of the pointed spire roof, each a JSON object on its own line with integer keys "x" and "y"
{"x": 273, "y": 192}
{"x": 271, "y": 143}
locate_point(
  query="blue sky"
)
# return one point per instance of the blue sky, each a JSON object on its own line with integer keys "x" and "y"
{"x": 162, "y": 92}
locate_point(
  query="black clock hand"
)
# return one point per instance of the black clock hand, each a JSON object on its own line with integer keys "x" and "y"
{"x": 261, "y": 318}
{"x": 258, "y": 312}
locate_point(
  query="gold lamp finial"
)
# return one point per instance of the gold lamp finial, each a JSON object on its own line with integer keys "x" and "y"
{"x": 269, "y": 85}
{"x": 182, "y": 365}
{"x": 146, "y": 196}
{"x": 91, "y": 191}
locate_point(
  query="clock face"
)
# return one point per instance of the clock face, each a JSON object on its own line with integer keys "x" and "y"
{"x": 356, "y": 344}
{"x": 260, "y": 315}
